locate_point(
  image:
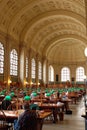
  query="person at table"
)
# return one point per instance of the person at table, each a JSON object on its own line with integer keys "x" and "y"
{"x": 32, "y": 105}
{"x": 64, "y": 99}
{"x": 58, "y": 94}
{"x": 6, "y": 102}
{"x": 26, "y": 120}
{"x": 63, "y": 95}
{"x": 34, "y": 95}
{"x": 27, "y": 99}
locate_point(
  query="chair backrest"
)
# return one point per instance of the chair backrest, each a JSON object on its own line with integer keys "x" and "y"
{"x": 14, "y": 106}
{"x": 2, "y": 98}
{"x": 29, "y": 120}
{"x": 3, "y": 123}
{"x": 5, "y": 104}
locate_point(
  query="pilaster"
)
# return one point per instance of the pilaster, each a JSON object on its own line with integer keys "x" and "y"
{"x": 22, "y": 72}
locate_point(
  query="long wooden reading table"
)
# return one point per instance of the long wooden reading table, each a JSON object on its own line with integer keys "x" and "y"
{"x": 12, "y": 115}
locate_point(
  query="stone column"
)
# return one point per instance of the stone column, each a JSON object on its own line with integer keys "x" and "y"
{"x": 37, "y": 81}
{"x": 47, "y": 72}
{"x": 44, "y": 70}
{"x": 22, "y": 72}
{"x": 30, "y": 58}
{"x": 54, "y": 75}
{"x": 7, "y": 62}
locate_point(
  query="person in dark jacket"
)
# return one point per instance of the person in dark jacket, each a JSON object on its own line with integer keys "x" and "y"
{"x": 6, "y": 102}
{"x": 26, "y": 120}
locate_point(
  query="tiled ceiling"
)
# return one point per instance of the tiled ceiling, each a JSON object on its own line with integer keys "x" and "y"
{"x": 53, "y": 28}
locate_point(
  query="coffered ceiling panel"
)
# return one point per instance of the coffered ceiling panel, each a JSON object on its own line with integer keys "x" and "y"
{"x": 47, "y": 26}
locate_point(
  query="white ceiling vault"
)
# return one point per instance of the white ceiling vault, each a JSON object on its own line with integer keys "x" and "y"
{"x": 53, "y": 28}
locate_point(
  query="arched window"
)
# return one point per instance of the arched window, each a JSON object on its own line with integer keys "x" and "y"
{"x": 80, "y": 74}
{"x": 26, "y": 67}
{"x": 39, "y": 70}
{"x": 51, "y": 73}
{"x": 33, "y": 68}
{"x": 1, "y": 58}
{"x": 14, "y": 63}
{"x": 65, "y": 74}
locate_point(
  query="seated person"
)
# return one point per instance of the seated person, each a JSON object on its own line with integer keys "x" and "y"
{"x": 6, "y": 102}
{"x": 64, "y": 99}
{"x": 26, "y": 120}
{"x": 34, "y": 95}
{"x": 58, "y": 94}
{"x": 63, "y": 96}
{"x": 27, "y": 99}
{"x": 32, "y": 105}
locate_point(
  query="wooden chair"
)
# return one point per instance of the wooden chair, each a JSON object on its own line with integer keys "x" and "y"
{"x": 5, "y": 104}
{"x": 15, "y": 106}
{"x": 3, "y": 123}
{"x": 2, "y": 98}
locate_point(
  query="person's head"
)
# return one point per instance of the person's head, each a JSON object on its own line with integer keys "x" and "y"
{"x": 26, "y": 106}
{"x": 7, "y": 98}
{"x": 27, "y": 98}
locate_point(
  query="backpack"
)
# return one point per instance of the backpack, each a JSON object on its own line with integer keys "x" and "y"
{"x": 69, "y": 112}
{"x": 16, "y": 125}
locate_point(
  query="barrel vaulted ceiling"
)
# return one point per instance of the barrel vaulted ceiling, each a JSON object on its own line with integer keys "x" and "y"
{"x": 53, "y": 28}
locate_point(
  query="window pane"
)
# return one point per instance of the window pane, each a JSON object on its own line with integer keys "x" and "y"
{"x": 40, "y": 71}
{"x": 65, "y": 74}
{"x": 1, "y": 58}
{"x": 51, "y": 74}
{"x": 26, "y": 67}
{"x": 33, "y": 68}
{"x": 80, "y": 74}
{"x": 13, "y": 63}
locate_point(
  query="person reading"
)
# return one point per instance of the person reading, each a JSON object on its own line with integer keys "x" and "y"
{"x": 26, "y": 120}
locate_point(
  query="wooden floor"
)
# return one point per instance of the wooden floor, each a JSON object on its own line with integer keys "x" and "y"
{"x": 71, "y": 122}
